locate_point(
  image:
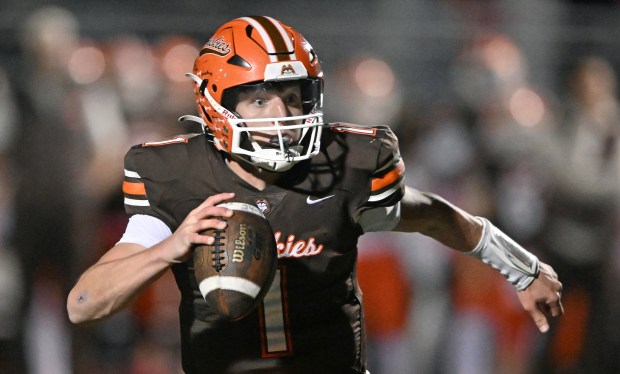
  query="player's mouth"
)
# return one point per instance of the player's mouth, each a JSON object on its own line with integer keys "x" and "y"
{"x": 287, "y": 140}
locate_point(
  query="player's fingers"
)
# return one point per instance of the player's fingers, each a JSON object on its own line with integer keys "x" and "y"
{"x": 199, "y": 239}
{"x": 218, "y": 198}
{"x": 556, "y": 310}
{"x": 555, "y": 307}
{"x": 209, "y": 208}
{"x": 215, "y": 199}
{"x": 211, "y": 223}
{"x": 540, "y": 320}
{"x": 192, "y": 232}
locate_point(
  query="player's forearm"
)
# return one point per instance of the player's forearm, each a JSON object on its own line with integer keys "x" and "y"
{"x": 475, "y": 236}
{"x": 113, "y": 284}
{"x": 435, "y": 217}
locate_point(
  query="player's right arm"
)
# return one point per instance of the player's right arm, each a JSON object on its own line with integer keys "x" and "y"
{"x": 127, "y": 269}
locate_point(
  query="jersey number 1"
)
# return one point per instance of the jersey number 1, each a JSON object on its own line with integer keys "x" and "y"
{"x": 273, "y": 314}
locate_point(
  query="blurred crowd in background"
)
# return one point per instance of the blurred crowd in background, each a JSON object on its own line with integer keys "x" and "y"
{"x": 543, "y": 164}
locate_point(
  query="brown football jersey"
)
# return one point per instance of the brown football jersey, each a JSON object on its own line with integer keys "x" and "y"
{"x": 311, "y": 319}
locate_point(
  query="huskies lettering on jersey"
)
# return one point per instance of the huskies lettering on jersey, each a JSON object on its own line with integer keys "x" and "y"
{"x": 297, "y": 248}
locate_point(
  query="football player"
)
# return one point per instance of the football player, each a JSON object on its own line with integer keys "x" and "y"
{"x": 259, "y": 93}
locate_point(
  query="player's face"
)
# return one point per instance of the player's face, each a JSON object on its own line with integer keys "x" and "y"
{"x": 282, "y": 100}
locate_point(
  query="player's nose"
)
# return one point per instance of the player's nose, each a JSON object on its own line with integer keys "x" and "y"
{"x": 278, "y": 108}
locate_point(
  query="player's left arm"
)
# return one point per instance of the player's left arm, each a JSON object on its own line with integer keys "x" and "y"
{"x": 537, "y": 285}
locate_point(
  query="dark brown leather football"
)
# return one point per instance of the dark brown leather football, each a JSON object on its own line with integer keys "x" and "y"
{"x": 235, "y": 273}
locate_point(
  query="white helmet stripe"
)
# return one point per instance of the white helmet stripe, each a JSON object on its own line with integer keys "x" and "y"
{"x": 271, "y": 49}
{"x": 263, "y": 33}
{"x": 287, "y": 40}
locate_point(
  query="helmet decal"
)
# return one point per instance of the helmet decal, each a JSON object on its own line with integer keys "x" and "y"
{"x": 287, "y": 69}
{"x": 281, "y": 71}
{"x": 217, "y": 47}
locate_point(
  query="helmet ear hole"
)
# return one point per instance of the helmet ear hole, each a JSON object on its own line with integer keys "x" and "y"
{"x": 214, "y": 87}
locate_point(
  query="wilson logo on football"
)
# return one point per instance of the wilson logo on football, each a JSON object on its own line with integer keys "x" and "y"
{"x": 240, "y": 243}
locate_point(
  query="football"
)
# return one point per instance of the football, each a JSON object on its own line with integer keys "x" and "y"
{"x": 236, "y": 271}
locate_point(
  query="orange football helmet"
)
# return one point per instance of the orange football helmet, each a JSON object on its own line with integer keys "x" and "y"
{"x": 258, "y": 51}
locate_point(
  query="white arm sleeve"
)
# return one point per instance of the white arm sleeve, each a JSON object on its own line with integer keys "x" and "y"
{"x": 145, "y": 230}
{"x": 497, "y": 249}
{"x": 380, "y": 219}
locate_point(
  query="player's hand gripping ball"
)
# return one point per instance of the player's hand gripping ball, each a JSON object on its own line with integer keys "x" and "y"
{"x": 236, "y": 271}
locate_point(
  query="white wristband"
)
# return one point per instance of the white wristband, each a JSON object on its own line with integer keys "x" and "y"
{"x": 498, "y": 250}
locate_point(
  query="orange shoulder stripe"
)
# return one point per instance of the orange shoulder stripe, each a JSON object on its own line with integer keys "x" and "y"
{"x": 389, "y": 178}
{"x": 134, "y": 188}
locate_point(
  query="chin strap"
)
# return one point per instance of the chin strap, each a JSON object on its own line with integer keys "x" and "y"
{"x": 277, "y": 166}
{"x": 498, "y": 250}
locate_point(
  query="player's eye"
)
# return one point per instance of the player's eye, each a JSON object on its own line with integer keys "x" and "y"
{"x": 293, "y": 100}
{"x": 259, "y": 101}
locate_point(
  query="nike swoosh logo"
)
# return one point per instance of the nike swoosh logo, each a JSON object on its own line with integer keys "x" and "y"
{"x": 310, "y": 201}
